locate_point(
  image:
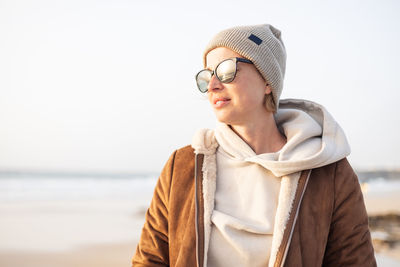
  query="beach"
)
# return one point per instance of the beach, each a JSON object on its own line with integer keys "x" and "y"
{"x": 43, "y": 223}
{"x": 100, "y": 255}
{"x": 75, "y": 233}
{"x": 71, "y": 221}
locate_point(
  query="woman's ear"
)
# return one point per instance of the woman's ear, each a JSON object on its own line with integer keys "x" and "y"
{"x": 268, "y": 89}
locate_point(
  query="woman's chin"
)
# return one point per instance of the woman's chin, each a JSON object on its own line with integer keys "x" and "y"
{"x": 224, "y": 118}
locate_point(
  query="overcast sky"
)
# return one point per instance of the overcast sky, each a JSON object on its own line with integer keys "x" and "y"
{"x": 109, "y": 85}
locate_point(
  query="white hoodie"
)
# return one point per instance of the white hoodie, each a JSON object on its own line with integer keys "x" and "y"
{"x": 250, "y": 195}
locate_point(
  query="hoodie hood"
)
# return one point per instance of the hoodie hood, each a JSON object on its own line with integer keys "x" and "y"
{"x": 314, "y": 139}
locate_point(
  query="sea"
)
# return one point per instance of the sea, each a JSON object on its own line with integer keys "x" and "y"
{"x": 24, "y": 186}
{"x": 15, "y": 186}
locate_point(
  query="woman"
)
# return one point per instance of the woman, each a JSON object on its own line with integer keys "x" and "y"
{"x": 270, "y": 186}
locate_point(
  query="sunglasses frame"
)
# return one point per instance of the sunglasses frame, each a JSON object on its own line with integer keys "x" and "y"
{"x": 212, "y": 72}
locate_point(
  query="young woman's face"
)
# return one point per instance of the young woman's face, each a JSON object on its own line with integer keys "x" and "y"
{"x": 242, "y": 100}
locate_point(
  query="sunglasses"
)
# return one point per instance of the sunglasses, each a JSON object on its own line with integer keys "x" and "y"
{"x": 225, "y": 72}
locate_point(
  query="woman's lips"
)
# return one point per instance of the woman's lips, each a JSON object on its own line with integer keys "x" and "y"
{"x": 221, "y": 102}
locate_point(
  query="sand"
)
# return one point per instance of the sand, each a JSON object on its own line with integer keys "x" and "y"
{"x": 382, "y": 204}
{"x": 69, "y": 233}
{"x": 102, "y": 255}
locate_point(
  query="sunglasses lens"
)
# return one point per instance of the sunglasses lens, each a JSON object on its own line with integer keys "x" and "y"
{"x": 203, "y": 79}
{"x": 226, "y": 70}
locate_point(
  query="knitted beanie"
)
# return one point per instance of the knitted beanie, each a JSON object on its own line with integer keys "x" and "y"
{"x": 262, "y": 44}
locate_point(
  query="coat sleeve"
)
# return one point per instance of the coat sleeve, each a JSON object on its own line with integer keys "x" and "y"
{"x": 349, "y": 241}
{"x": 153, "y": 246}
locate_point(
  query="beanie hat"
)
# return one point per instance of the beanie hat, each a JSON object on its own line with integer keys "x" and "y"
{"x": 262, "y": 44}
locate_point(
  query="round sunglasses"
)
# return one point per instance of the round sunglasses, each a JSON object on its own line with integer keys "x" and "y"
{"x": 225, "y": 73}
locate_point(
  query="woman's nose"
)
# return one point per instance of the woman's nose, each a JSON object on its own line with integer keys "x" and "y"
{"x": 214, "y": 84}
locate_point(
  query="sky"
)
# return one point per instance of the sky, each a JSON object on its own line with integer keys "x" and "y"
{"x": 108, "y": 86}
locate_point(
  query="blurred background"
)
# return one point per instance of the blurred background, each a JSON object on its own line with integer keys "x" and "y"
{"x": 95, "y": 96}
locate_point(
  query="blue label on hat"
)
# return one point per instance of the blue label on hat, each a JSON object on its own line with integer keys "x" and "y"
{"x": 255, "y": 39}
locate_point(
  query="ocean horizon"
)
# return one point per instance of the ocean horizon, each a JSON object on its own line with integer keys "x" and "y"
{"x": 41, "y": 185}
